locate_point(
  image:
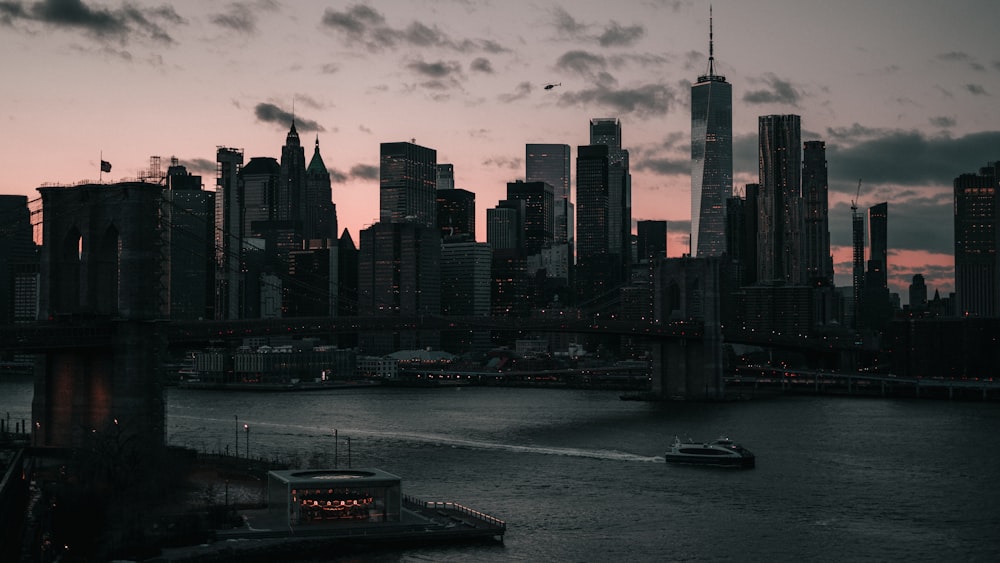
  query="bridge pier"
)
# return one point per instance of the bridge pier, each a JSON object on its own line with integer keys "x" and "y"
{"x": 687, "y": 370}
{"x": 101, "y": 269}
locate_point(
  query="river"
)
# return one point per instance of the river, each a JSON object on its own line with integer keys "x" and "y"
{"x": 579, "y": 475}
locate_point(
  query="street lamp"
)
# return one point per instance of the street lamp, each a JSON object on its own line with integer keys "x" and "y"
{"x": 247, "y": 428}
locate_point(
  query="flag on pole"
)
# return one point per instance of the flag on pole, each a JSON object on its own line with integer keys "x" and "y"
{"x": 105, "y": 166}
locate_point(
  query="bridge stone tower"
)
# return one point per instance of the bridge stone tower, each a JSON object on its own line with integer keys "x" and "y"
{"x": 688, "y": 290}
{"x": 101, "y": 271}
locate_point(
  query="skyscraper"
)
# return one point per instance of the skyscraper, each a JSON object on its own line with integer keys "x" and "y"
{"x": 229, "y": 234}
{"x": 608, "y": 132}
{"x": 711, "y": 157}
{"x": 818, "y": 260}
{"x": 407, "y": 184}
{"x": 190, "y": 214}
{"x": 539, "y": 214}
{"x": 550, "y": 163}
{"x": 878, "y": 246}
{"x": 857, "y": 257}
{"x": 977, "y": 242}
{"x": 17, "y": 250}
{"x": 651, "y": 240}
{"x": 456, "y": 212}
{"x": 292, "y": 179}
{"x": 319, "y": 213}
{"x": 779, "y": 240}
{"x": 596, "y": 268}
{"x": 445, "y": 176}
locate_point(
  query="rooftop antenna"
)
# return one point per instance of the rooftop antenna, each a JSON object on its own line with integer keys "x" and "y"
{"x": 711, "y": 44}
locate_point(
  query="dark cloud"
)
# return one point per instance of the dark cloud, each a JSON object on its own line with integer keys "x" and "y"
{"x": 566, "y": 24}
{"x": 270, "y": 113}
{"x": 504, "y": 162}
{"x": 238, "y": 17}
{"x": 643, "y": 101}
{"x": 778, "y": 92}
{"x": 337, "y": 176}
{"x": 996, "y": 65}
{"x": 583, "y": 63}
{"x": 960, "y": 57}
{"x": 522, "y": 91}
{"x": 976, "y": 90}
{"x": 330, "y": 68}
{"x": 617, "y": 36}
{"x": 664, "y": 166}
{"x": 104, "y": 24}
{"x": 364, "y": 172}
{"x": 203, "y": 166}
{"x": 363, "y": 25}
{"x": 909, "y": 158}
{"x": 942, "y": 121}
{"x": 481, "y": 65}
{"x": 682, "y": 227}
{"x": 439, "y": 69}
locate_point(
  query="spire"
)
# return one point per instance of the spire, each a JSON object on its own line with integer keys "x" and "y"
{"x": 316, "y": 165}
{"x": 711, "y": 45}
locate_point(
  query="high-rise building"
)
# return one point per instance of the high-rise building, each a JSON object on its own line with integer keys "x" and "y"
{"x": 465, "y": 291}
{"x": 779, "y": 239}
{"x": 407, "y": 184}
{"x": 550, "y": 163}
{"x": 229, "y": 233}
{"x": 857, "y": 259}
{"x": 878, "y": 246}
{"x": 711, "y": 157}
{"x": 977, "y": 242}
{"x": 918, "y": 293}
{"x": 651, "y": 240}
{"x": 456, "y": 212}
{"x": 399, "y": 274}
{"x": 290, "y": 201}
{"x": 445, "y": 176}
{"x": 319, "y": 213}
{"x": 539, "y": 216}
{"x": 505, "y": 225}
{"x": 17, "y": 252}
{"x": 505, "y": 235}
{"x": 608, "y": 132}
{"x": 190, "y": 212}
{"x": 259, "y": 180}
{"x": 815, "y": 188}
{"x": 597, "y": 268}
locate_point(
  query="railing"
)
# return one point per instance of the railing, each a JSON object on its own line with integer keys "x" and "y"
{"x": 453, "y": 506}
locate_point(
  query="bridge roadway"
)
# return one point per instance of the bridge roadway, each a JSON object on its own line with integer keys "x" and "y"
{"x": 97, "y": 332}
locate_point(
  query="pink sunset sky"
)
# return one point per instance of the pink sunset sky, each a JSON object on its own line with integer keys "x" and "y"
{"x": 903, "y": 93}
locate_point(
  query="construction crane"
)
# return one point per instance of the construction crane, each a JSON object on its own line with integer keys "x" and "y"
{"x": 854, "y": 202}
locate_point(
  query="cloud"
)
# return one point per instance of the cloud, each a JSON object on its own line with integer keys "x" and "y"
{"x": 521, "y": 91}
{"x": 103, "y": 24}
{"x": 364, "y": 172}
{"x": 337, "y": 176}
{"x": 330, "y": 68}
{"x": 566, "y": 24}
{"x": 961, "y": 57}
{"x": 942, "y": 121}
{"x": 778, "y": 92}
{"x": 481, "y": 65}
{"x": 617, "y": 36}
{"x": 504, "y": 162}
{"x": 270, "y": 113}
{"x": 439, "y": 69}
{"x": 643, "y": 101}
{"x": 238, "y": 17}
{"x": 202, "y": 166}
{"x": 908, "y": 158}
{"x": 583, "y": 63}
{"x": 360, "y": 24}
{"x": 976, "y": 90}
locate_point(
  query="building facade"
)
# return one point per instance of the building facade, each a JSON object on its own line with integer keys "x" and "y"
{"x": 779, "y": 240}
{"x": 711, "y": 158}
{"x": 977, "y": 241}
{"x": 815, "y": 192}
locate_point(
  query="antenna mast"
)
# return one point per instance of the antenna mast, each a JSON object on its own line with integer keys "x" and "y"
{"x": 711, "y": 44}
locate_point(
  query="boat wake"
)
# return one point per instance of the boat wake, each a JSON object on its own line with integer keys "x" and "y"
{"x": 444, "y": 440}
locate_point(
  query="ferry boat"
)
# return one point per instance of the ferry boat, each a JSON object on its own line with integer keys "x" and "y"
{"x": 721, "y": 452}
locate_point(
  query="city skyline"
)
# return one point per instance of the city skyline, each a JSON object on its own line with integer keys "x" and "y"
{"x": 901, "y": 94}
